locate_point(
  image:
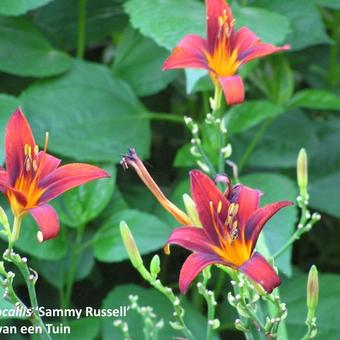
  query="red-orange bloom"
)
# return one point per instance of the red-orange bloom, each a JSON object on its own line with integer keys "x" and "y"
{"x": 230, "y": 224}
{"x": 223, "y": 52}
{"x": 33, "y": 177}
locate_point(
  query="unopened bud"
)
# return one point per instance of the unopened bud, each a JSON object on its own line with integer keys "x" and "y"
{"x": 312, "y": 289}
{"x": 240, "y": 326}
{"x": 227, "y": 151}
{"x": 214, "y": 324}
{"x": 155, "y": 266}
{"x": 302, "y": 172}
{"x": 130, "y": 245}
{"x": 191, "y": 210}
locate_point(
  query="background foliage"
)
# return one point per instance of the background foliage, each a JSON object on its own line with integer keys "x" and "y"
{"x": 114, "y": 95}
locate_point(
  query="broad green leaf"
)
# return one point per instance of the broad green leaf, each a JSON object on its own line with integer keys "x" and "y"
{"x": 5, "y": 305}
{"x": 18, "y": 7}
{"x": 56, "y": 272}
{"x": 162, "y": 308}
{"x": 306, "y": 24}
{"x": 281, "y": 226}
{"x": 149, "y": 232}
{"x": 316, "y": 99}
{"x": 329, "y": 3}
{"x": 269, "y": 26}
{"x": 25, "y": 52}
{"x": 282, "y": 141}
{"x": 167, "y": 21}
{"x": 91, "y": 115}
{"x": 83, "y": 204}
{"x": 242, "y": 117}
{"x": 139, "y": 62}
{"x": 59, "y": 19}
{"x": 197, "y": 80}
{"x": 324, "y": 194}
{"x": 53, "y": 249}
{"x": 8, "y": 104}
{"x": 293, "y": 293}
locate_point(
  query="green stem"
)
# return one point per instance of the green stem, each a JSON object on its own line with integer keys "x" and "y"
{"x": 15, "y": 232}
{"x": 164, "y": 117}
{"x": 81, "y": 41}
{"x": 30, "y": 280}
{"x": 254, "y": 143}
{"x": 73, "y": 266}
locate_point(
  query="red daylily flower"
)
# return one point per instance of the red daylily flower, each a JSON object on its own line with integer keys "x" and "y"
{"x": 32, "y": 177}
{"x": 231, "y": 224}
{"x": 223, "y": 52}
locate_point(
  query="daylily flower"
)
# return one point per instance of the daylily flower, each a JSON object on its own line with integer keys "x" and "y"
{"x": 230, "y": 224}
{"x": 32, "y": 178}
{"x": 223, "y": 51}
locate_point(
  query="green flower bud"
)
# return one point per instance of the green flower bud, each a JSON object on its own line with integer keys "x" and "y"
{"x": 302, "y": 172}
{"x": 155, "y": 266}
{"x": 130, "y": 246}
{"x": 190, "y": 207}
{"x": 312, "y": 289}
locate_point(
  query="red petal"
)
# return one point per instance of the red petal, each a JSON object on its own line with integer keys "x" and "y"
{"x": 259, "y": 218}
{"x": 233, "y": 89}
{"x": 47, "y": 163}
{"x": 47, "y": 219}
{"x": 191, "y": 238}
{"x": 204, "y": 193}
{"x": 18, "y": 133}
{"x": 190, "y": 52}
{"x": 259, "y": 270}
{"x": 192, "y": 266}
{"x": 248, "y": 200}
{"x": 214, "y": 10}
{"x": 67, "y": 177}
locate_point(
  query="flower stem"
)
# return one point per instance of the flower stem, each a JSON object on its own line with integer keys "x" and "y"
{"x": 81, "y": 29}
{"x": 15, "y": 232}
{"x": 30, "y": 277}
{"x": 164, "y": 117}
{"x": 253, "y": 144}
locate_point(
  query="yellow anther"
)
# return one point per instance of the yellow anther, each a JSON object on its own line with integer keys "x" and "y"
{"x": 236, "y": 209}
{"x": 36, "y": 150}
{"x": 46, "y": 142}
{"x": 26, "y": 149}
{"x": 231, "y": 209}
{"x": 219, "y": 207}
{"x": 235, "y": 225}
{"x": 29, "y": 151}
{"x": 35, "y": 165}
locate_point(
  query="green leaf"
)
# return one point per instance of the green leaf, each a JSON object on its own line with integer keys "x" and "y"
{"x": 149, "y": 232}
{"x": 139, "y": 61}
{"x": 329, "y": 3}
{"x": 18, "y": 7}
{"x": 49, "y": 250}
{"x": 197, "y": 80}
{"x": 293, "y": 292}
{"x": 4, "y": 305}
{"x": 25, "y": 52}
{"x": 306, "y": 24}
{"x": 324, "y": 194}
{"x": 167, "y": 21}
{"x": 92, "y": 116}
{"x": 162, "y": 308}
{"x": 83, "y": 204}
{"x": 184, "y": 158}
{"x": 282, "y": 141}
{"x": 55, "y": 272}
{"x": 316, "y": 99}
{"x": 269, "y": 26}
{"x": 242, "y": 117}
{"x": 59, "y": 19}
{"x": 279, "y": 228}
{"x": 8, "y": 104}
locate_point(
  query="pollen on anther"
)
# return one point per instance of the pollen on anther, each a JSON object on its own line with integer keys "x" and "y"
{"x": 36, "y": 150}
{"x": 219, "y": 207}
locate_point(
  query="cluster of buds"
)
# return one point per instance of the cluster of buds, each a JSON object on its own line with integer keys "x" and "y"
{"x": 124, "y": 328}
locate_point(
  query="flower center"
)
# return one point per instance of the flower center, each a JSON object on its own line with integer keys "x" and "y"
{"x": 223, "y": 61}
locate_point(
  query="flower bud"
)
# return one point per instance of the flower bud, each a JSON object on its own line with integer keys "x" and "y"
{"x": 312, "y": 289}
{"x": 302, "y": 172}
{"x": 130, "y": 245}
{"x": 190, "y": 208}
{"x": 155, "y": 266}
